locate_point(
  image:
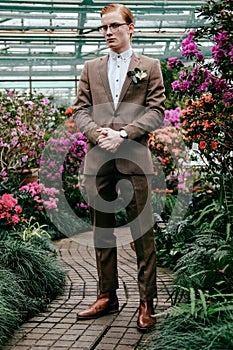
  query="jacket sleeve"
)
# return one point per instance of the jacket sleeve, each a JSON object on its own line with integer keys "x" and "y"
{"x": 83, "y": 108}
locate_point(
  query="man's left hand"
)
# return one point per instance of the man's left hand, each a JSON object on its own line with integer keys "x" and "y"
{"x": 109, "y": 139}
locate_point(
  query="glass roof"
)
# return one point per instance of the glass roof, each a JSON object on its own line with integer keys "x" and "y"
{"x": 46, "y": 41}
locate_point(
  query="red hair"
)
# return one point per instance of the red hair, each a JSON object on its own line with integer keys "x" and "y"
{"x": 124, "y": 11}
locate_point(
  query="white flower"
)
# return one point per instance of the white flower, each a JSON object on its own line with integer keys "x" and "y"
{"x": 137, "y": 75}
{"x": 141, "y": 74}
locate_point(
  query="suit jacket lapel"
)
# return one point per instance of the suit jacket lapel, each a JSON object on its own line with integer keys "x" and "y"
{"x": 104, "y": 76}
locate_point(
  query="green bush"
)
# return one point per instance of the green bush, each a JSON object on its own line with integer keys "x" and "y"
{"x": 12, "y": 303}
{"x": 187, "y": 332}
{"x": 40, "y": 272}
{"x": 30, "y": 277}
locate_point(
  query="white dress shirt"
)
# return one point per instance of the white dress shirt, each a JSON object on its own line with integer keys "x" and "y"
{"x": 118, "y": 65}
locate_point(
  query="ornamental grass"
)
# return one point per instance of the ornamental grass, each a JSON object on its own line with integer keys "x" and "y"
{"x": 30, "y": 277}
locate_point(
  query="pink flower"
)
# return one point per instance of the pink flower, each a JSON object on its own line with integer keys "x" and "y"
{"x": 8, "y": 201}
{"x": 45, "y": 101}
{"x": 9, "y": 210}
{"x": 18, "y": 209}
{"x": 15, "y": 219}
{"x": 24, "y": 159}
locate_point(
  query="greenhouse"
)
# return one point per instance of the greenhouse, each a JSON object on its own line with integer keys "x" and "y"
{"x": 44, "y": 44}
{"x": 116, "y": 175}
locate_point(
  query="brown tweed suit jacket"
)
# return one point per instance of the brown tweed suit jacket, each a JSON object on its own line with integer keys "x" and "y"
{"x": 140, "y": 110}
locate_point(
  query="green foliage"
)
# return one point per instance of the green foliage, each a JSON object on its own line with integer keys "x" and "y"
{"x": 202, "y": 315}
{"x": 183, "y": 330}
{"x": 173, "y": 228}
{"x": 40, "y": 272}
{"x": 207, "y": 265}
{"x": 12, "y": 300}
{"x": 33, "y": 230}
{"x": 205, "y": 322}
{"x": 30, "y": 277}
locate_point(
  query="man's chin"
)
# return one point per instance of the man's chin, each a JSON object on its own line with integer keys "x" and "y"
{"x": 113, "y": 47}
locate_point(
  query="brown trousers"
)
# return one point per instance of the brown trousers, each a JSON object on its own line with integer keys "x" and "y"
{"x": 135, "y": 190}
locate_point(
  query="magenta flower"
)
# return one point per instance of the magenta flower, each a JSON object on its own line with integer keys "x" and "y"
{"x": 45, "y": 101}
{"x": 175, "y": 63}
{"x": 24, "y": 159}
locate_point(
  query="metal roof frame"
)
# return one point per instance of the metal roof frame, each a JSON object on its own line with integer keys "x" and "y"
{"x": 49, "y": 38}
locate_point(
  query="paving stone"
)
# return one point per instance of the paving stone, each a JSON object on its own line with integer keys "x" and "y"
{"x": 46, "y": 343}
{"x": 60, "y": 344}
{"x": 50, "y": 336}
{"x": 33, "y": 336}
{"x": 68, "y": 337}
{"x": 105, "y": 347}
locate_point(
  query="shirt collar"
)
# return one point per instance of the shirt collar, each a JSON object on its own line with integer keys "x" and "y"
{"x": 124, "y": 55}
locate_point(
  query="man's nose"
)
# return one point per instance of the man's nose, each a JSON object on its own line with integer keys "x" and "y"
{"x": 108, "y": 31}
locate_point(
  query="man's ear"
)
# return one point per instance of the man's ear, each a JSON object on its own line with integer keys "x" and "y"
{"x": 131, "y": 28}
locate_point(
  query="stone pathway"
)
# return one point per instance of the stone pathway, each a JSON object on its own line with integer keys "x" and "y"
{"x": 58, "y": 329}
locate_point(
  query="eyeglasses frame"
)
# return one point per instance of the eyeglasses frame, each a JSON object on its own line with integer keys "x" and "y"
{"x": 101, "y": 28}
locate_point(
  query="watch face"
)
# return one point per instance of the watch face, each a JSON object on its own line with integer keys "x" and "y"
{"x": 123, "y": 134}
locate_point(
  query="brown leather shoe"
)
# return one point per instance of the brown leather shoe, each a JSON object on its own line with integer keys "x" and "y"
{"x": 145, "y": 322}
{"x": 106, "y": 303}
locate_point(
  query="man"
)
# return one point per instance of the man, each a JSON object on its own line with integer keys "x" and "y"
{"x": 120, "y": 100}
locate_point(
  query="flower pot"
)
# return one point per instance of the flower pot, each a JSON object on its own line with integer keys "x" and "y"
{"x": 29, "y": 175}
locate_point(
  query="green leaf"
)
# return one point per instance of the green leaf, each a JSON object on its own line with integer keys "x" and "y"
{"x": 203, "y": 301}
{"x": 193, "y": 300}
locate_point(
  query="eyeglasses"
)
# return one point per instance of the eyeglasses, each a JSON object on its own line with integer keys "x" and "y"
{"x": 114, "y": 27}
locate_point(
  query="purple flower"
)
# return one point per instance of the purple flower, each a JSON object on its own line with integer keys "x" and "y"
{"x": 219, "y": 84}
{"x": 45, "y": 101}
{"x": 175, "y": 85}
{"x": 200, "y": 57}
{"x": 160, "y": 158}
{"x": 218, "y": 54}
{"x": 10, "y": 93}
{"x": 175, "y": 63}
{"x": 228, "y": 98}
{"x": 24, "y": 159}
{"x": 32, "y": 153}
{"x": 14, "y": 142}
{"x": 173, "y": 116}
{"x": 203, "y": 86}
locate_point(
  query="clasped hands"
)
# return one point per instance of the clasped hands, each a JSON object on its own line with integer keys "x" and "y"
{"x": 109, "y": 139}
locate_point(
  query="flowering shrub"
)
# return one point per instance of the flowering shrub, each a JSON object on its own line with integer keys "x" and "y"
{"x": 9, "y": 210}
{"x": 41, "y": 139}
{"x": 35, "y": 190}
{"x": 62, "y": 164}
{"x": 25, "y": 122}
{"x": 207, "y": 119}
{"x": 168, "y": 148}
{"x": 203, "y": 125}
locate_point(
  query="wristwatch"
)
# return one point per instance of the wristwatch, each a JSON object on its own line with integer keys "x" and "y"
{"x": 123, "y": 134}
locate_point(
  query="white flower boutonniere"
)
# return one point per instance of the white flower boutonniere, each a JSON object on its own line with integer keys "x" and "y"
{"x": 137, "y": 75}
